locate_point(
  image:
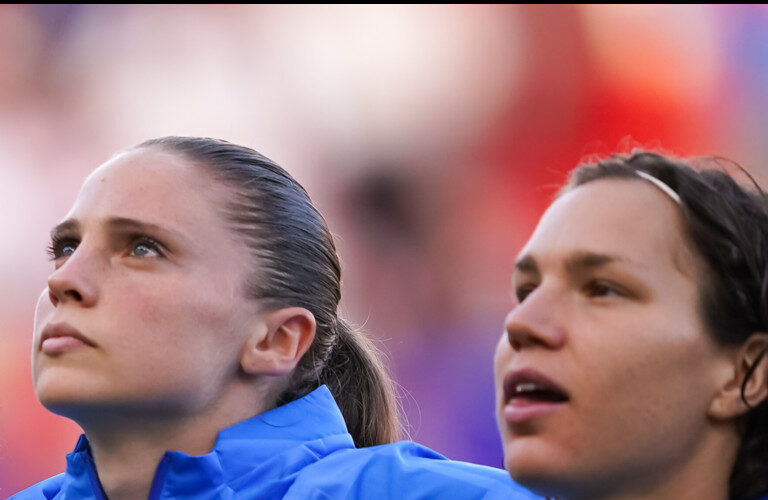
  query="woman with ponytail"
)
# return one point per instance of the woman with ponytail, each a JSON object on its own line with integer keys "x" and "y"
{"x": 190, "y": 328}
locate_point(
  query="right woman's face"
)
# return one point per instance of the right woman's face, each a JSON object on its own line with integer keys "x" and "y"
{"x": 606, "y": 371}
{"x": 150, "y": 278}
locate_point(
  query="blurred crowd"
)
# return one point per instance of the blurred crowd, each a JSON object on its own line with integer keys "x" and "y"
{"x": 431, "y": 137}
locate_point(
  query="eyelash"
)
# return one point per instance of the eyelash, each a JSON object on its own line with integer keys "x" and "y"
{"x": 147, "y": 241}
{"x": 57, "y": 244}
{"x": 594, "y": 288}
{"x": 56, "y": 247}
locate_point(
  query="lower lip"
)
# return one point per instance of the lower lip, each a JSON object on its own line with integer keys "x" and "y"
{"x": 521, "y": 410}
{"x": 58, "y": 345}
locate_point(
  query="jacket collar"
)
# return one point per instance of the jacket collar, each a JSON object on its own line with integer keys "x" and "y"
{"x": 279, "y": 434}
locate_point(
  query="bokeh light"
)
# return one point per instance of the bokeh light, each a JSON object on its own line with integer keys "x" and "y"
{"x": 432, "y": 137}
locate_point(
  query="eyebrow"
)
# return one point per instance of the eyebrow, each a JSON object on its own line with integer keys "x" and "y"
{"x": 578, "y": 262}
{"x": 68, "y": 226}
{"x": 526, "y": 264}
{"x": 117, "y": 223}
{"x": 124, "y": 223}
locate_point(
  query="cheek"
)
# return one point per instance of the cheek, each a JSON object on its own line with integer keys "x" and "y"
{"x": 648, "y": 395}
{"x": 665, "y": 363}
{"x": 187, "y": 317}
{"x": 181, "y": 329}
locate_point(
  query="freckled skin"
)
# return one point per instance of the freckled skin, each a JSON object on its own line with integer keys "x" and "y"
{"x": 640, "y": 367}
{"x": 169, "y": 329}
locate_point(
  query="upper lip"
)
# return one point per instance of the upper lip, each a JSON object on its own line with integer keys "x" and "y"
{"x": 529, "y": 375}
{"x": 63, "y": 330}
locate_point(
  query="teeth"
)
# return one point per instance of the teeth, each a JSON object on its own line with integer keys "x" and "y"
{"x": 525, "y": 387}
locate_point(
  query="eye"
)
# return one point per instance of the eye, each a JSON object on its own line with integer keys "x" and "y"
{"x": 144, "y": 247}
{"x": 599, "y": 288}
{"x": 61, "y": 247}
{"x": 524, "y": 291}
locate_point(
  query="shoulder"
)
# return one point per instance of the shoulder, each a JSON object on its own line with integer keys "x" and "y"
{"x": 402, "y": 470}
{"x": 45, "y": 489}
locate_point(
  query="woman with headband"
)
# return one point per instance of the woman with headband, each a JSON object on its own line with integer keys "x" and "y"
{"x": 633, "y": 364}
{"x": 190, "y": 328}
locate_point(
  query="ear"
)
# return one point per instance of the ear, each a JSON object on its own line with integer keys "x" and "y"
{"x": 278, "y": 342}
{"x": 752, "y": 365}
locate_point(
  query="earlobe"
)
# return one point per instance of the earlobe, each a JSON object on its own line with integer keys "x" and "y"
{"x": 278, "y": 342}
{"x": 748, "y": 387}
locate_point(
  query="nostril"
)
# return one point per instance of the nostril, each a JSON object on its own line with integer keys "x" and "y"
{"x": 75, "y": 295}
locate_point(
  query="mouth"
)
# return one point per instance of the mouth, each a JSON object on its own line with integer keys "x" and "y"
{"x": 529, "y": 394}
{"x": 58, "y": 338}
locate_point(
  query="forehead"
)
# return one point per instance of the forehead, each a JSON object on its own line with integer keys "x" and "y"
{"x": 151, "y": 185}
{"x": 623, "y": 217}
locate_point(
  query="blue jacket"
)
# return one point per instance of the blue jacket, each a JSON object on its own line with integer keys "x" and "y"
{"x": 301, "y": 450}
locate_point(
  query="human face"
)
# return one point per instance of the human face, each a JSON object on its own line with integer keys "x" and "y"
{"x": 605, "y": 315}
{"x": 149, "y": 275}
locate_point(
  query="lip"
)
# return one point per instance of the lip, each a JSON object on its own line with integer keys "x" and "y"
{"x": 519, "y": 409}
{"x": 63, "y": 337}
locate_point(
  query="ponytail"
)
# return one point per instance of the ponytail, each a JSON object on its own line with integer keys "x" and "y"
{"x": 359, "y": 383}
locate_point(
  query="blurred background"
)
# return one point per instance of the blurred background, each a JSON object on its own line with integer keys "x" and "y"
{"x": 431, "y": 137}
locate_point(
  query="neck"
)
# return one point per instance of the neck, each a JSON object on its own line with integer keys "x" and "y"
{"x": 702, "y": 475}
{"x": 127, "y": 449}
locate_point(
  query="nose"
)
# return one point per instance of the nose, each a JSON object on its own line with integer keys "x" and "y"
{"x": 75, "y": 281}
{"x": 537, "y": 321}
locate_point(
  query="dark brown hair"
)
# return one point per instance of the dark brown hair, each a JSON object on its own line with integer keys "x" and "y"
{"x": 728, "y": 226}
{"x": 295, "y": 264}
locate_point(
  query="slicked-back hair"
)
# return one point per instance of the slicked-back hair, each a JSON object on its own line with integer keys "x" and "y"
{"x": 294, "y": 263}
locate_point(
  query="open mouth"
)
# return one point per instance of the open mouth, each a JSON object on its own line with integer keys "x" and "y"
{"x": 528, "y": 393}
{"x": 535, "y": 392}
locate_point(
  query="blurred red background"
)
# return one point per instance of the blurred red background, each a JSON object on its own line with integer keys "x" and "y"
{"x": 432, "y": 137}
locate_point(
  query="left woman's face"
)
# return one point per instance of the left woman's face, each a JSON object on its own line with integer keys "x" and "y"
{"x": 606, "y": 371}
{"x": 151, "y": 277}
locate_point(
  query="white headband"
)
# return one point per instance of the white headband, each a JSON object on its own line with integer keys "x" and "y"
{"x": 656, "y": 182}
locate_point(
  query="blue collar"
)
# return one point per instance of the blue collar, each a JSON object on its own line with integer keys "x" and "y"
{"x": 239, "y": 451}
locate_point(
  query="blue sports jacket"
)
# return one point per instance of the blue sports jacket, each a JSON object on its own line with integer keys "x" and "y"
{"x": 300, "y": 450}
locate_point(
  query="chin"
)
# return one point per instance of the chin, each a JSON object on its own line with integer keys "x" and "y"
{"x": 538, "y": 467}
{"x": 62, "y": 400}
{"x": 546, "y": 482}
{"x": 63, "y": 393}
